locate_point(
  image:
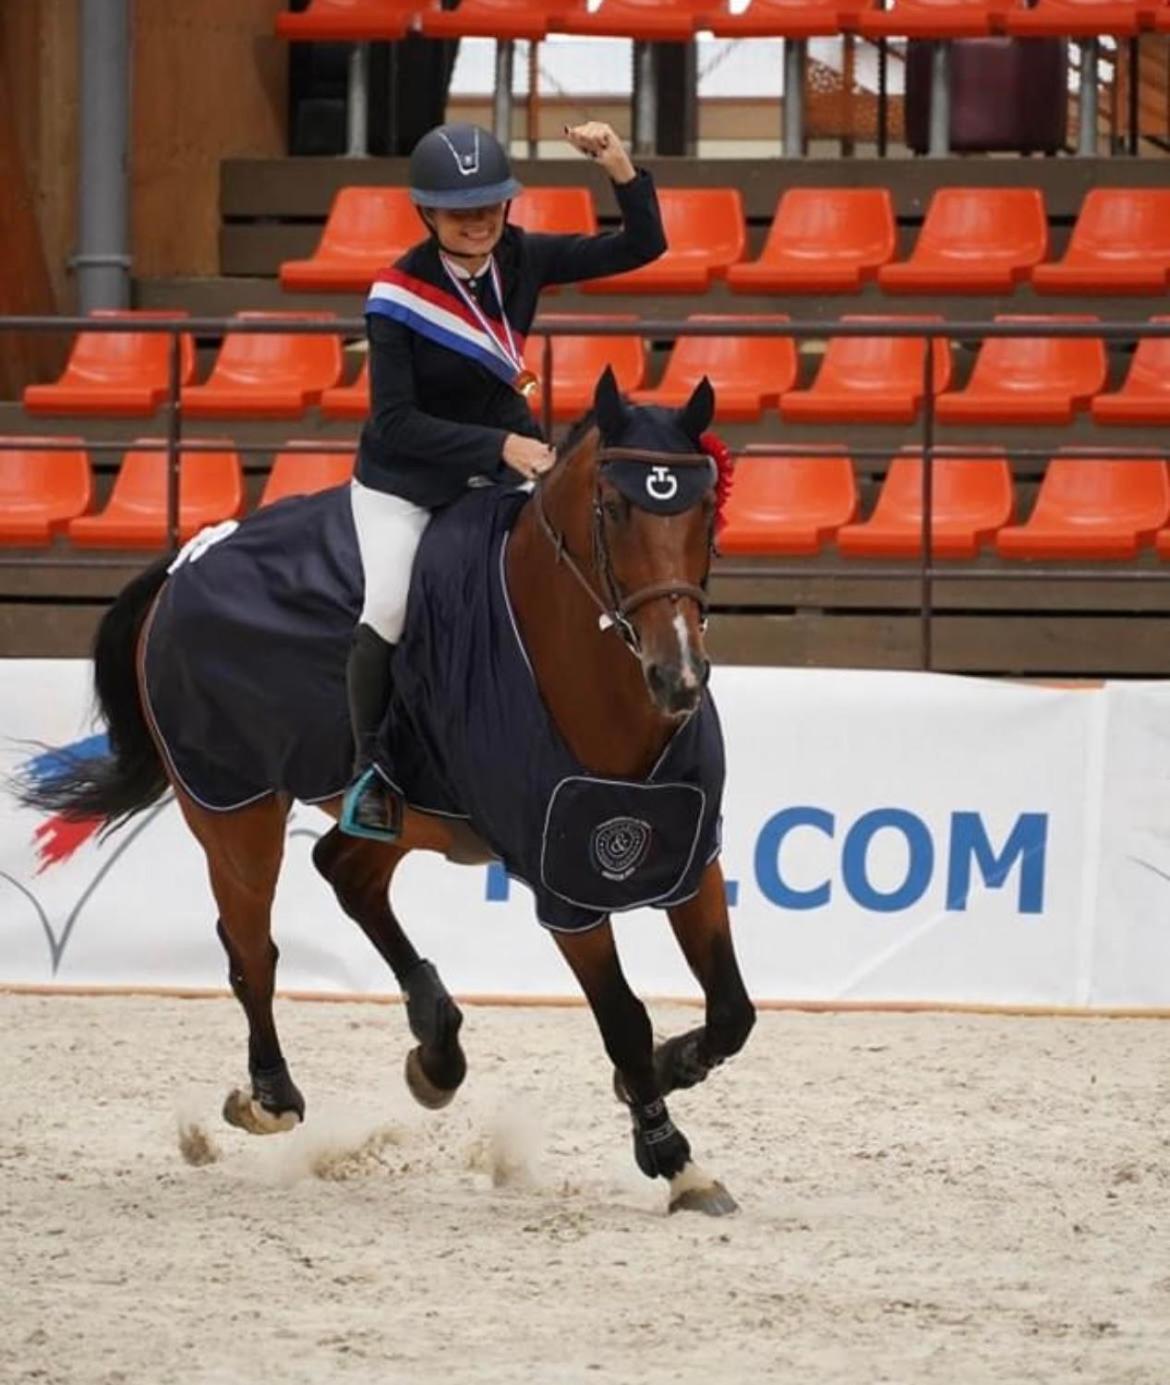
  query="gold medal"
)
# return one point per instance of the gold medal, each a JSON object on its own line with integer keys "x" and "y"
{"x": 526, "y": 383}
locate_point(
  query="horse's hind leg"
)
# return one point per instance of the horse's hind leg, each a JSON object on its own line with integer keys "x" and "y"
{"x": 244, "y": 851}
{"x": 360, "y": 872}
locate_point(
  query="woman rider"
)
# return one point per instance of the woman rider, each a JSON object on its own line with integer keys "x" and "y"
{"x": 448, "y": 406}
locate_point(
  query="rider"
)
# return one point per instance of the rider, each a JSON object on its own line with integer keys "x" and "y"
{"x": 448, "y": 387}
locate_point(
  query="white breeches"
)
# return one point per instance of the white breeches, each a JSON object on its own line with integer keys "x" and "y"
{"x": 388, "y": 532}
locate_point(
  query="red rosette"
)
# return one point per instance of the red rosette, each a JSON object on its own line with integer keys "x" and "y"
{"x": 719, "y": 452}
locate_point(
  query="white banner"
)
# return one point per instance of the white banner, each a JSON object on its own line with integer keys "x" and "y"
{"x": 887, "y": 837}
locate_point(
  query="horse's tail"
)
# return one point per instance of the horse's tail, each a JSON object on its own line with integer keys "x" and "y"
{"x": 130, "y": 777}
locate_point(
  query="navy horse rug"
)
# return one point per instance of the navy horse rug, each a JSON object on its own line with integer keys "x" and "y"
{"x": 244, "y": 664}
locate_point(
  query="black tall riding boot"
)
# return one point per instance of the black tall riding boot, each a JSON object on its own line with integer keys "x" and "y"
{"x": 371, "y": 807}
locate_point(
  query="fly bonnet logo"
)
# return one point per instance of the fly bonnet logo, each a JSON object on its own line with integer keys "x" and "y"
{"x": 618, "y": 847}
{"x": 661, "y": 484}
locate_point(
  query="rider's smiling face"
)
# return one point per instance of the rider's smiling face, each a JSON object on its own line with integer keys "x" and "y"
{"x": 470, "y": 232}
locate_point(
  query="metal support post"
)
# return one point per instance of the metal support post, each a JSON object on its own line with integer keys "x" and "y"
{"x": 174, "y": 429}
{"x": 1087, "y": 125}
{"x": 645, "y": 98}
{"x": 940, "y": 99}
{"x": 357, "y": 96}
{"x": 502, "y": 97}
{"x": 102, "y": 260}
{"x": 794, "y": 63}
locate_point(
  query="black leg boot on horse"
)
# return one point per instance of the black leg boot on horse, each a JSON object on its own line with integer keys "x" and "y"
{"x": 360, "y": 876}
{"x": 371, "y": 808}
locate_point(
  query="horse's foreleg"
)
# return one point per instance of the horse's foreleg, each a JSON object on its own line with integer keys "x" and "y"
{"x": 703, "y": 930}
{"x": 660, "y": 1148}
{"x": 360, "y": 872}
{"x": 244, "y": 851}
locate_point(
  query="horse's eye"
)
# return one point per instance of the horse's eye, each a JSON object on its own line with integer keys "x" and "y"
{"x": 615, "y": 508}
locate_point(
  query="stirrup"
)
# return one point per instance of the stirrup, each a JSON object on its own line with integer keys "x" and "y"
{"x": 370, "y": 779}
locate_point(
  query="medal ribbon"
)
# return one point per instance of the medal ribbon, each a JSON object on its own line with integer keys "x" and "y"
{"x": 505, "y": 346}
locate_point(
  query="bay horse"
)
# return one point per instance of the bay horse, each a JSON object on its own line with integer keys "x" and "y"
{"x": 595, "y": 573}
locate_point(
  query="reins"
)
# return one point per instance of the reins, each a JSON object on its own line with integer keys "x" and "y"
{"x": 616, "y": 611}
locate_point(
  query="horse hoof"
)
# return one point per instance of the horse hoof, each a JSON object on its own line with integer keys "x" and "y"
{"x": 246, "y": 1113}
{"x": 422, "y": 1088}
{"x": 692, "y": 1190}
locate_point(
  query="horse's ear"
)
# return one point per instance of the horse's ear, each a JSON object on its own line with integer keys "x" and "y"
{"x": 608, "y": 405}
{"x": 696, "y": 414}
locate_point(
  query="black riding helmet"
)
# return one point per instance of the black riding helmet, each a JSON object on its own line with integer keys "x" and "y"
{"x": 460, "y": 166}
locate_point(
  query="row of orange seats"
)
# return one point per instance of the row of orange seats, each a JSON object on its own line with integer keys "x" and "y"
{"x": 1086, "y": 507}
{"x": 821, "y": 240}
{"x": 679, "y": 20}
{"x": 46, "y": 490}
{"x": 1027, "y": 380}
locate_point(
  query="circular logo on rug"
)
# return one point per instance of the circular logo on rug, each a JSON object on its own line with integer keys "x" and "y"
{"x": 618, "y": 847}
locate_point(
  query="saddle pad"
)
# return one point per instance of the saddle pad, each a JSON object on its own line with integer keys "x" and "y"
{"x": 613, "y": 844}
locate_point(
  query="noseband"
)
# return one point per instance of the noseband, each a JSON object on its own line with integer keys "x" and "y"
{"x": 615, "y": 608}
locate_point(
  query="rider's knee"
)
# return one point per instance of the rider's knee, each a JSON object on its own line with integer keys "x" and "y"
{"x": 386, "y": 617}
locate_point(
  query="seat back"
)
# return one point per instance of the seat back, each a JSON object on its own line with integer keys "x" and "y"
{"x": 975, "y": 490}
{"x": 56, "y": 482}
{"x": 839, "y": 223}
{"x": 869, "y": 364}
{"x": 1073, "y": 365}
{"x": 1122, "y": 224}
{"x": 1083, "y": 491}
{"x": 276, "y": 358}
{"x": 768, "y": 363}
{"x": 366, "y": 222}
{"x": 299, "y": 471}
{"x": 704, "y": 223}
{"x": 559, "y": 211}
{"x": 788, "y": 504}
{"x": 578, "y": 362}
{"x": 974, "y": 223}
{"x": 1149, "y": 371}
{"x": 128, "y": 358}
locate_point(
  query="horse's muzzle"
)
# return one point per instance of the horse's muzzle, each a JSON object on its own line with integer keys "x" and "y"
{"x": 677, "y": 688}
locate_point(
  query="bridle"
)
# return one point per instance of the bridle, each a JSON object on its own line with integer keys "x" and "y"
{"x": 616, "y": 608}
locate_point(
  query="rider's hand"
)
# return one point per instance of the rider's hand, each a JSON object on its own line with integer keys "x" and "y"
{"x": 597, "y": 139}
{"x": 529, "y": 456}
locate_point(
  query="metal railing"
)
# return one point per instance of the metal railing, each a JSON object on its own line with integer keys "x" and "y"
{"x": 925, "y": 570}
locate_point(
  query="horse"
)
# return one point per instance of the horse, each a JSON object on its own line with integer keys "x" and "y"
{"x": 604, "y": 570}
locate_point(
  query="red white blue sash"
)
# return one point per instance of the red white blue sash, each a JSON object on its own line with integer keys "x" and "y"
{"x": 444, "y": 318}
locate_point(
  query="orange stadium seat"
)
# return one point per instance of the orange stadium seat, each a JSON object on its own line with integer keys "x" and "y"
{"x": 122, "y": 374}
{"x": 869, "y": 379}
{"x": 347, "y": 21}
{"x": 211, "y": 488}
{"x": 367, "y": 229}
{"x": 1120, "y": 244}
{"x": 578, "y": 361}
{"x": 1073, "y": 18}
{"x": 1029, "y": 379}
{"x": 822, "y": 240}
{"x": 971, "y": 499}
{"x": 704, "y": 236}
{"x": 651, "y": 20}
{"x": 1090, "y": 507}
{"x": 498, "y": 19}
{"x": 559, "y": 211}
{"x": 788, "y": 505}
{"x": 40, "y": 491}
{"x": 777, "y": 19}
{"x": 973, "y": 240}
{"x": 1145, "y": 395}
{"x": 267, "y": 374}
{"x": 349, "y": 401}
{"x": 929, "y": 19}
{"x": 299, "y": 471}
{"x": 747, "y": 373}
